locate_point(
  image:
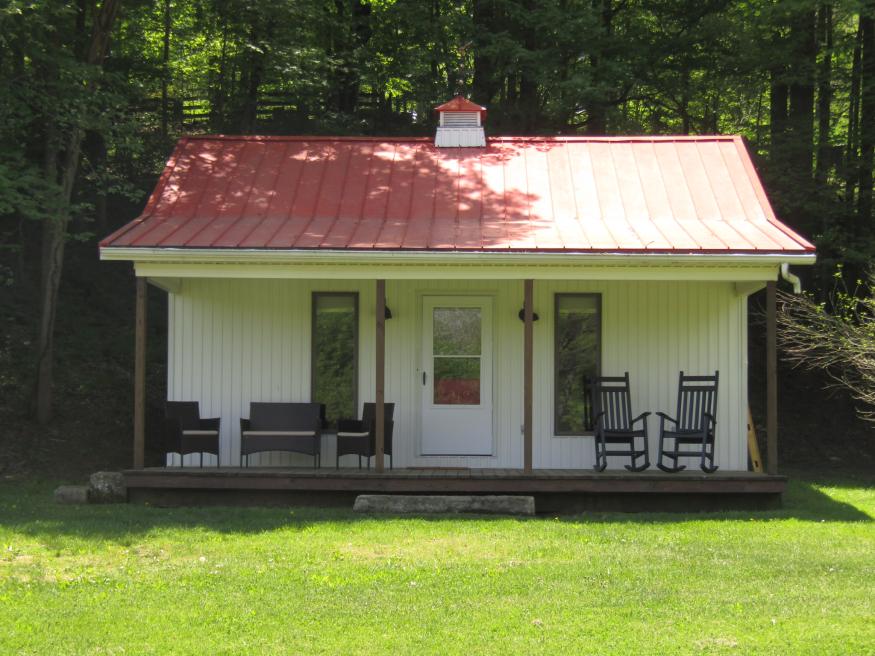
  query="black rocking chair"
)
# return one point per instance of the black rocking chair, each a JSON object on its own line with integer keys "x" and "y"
{"x": 359, "y": 437}
{"x": 186, "y": 432}
{"x": 694, "y": 426}
{"x": 614, "y": 425}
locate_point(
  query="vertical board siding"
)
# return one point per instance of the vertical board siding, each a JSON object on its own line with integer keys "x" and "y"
{"x": 235, "y": 341}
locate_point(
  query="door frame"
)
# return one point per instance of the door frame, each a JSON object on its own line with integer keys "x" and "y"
{"x": 420, "y": 297}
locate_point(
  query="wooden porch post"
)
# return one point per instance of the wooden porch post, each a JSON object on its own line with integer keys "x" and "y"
{"x": 140, "y": 375}
{"x": 771, "y": 381}
{"x": 528, "y": 369}
{"x": 381, "y": 374}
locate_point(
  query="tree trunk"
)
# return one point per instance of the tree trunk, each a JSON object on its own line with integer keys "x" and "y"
{"x": 801, "y": 113}
{"x": 867, "y": 117}
{"x": 853, "y": 120}
{"x": 484, "y": 86}
{"x": 55, "y": 229}
{"x": 824, "y": 93}
{"x": 165, "y": 71}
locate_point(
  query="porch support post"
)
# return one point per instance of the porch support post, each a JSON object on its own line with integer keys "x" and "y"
{"x": 771, "y": 381}
{"x": 381, "y": 374}
{"x": 528, "y": 369}
{"x": 140, "y": 376}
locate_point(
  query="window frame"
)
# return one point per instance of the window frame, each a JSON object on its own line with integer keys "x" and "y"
{"x": 599, "y": 330}
{"x": 356, "y": 334}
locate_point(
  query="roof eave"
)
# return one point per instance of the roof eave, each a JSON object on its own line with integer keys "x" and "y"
{"x": 267, "y": 256}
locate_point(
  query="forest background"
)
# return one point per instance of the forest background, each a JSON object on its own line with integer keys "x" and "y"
{"x": 93, "y": 96}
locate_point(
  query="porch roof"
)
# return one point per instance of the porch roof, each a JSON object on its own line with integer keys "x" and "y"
{"x": 629, "y": 195}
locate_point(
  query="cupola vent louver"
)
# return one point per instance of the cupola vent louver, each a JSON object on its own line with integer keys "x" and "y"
{"x": 461, "y": 125}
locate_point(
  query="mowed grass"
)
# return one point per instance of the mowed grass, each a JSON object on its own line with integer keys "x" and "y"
{"x": 142, "y": 580}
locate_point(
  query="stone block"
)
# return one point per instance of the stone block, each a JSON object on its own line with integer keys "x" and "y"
{"x": 71, "y": 494}
{"x": 108, "y": 487}
{"x": 423, "y": 504}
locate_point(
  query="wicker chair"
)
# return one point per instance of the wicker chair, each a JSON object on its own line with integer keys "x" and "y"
{"x": 292, "y": 427}
{"x": 186, "y": 432}
{"x": 359, "y": 436}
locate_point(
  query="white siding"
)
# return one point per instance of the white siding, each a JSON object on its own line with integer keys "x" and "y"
{"x": 232, "y": 341}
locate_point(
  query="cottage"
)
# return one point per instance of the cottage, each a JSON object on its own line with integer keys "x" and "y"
{"x": 476, "y": 283}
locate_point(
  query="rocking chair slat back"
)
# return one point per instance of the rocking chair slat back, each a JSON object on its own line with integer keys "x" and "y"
{"x": 611, "y": 396}
{"x": 697, "y": 396}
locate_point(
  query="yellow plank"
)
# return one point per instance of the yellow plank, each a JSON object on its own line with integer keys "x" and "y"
{"x": 753, "y": 448}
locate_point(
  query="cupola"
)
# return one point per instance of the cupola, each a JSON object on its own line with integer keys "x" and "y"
{"x": 461, "y": 124}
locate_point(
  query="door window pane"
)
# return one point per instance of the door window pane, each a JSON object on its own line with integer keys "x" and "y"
{"x": 456, "y": 381}
{"x": 334, "y": 375}
{"x": 456, "y": 331}
{"x": 577, "y": 360}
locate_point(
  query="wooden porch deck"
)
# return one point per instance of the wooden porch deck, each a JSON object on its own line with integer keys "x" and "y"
{"x": 553, "y": 489}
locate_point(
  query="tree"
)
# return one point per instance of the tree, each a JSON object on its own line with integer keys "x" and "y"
{"x": 836, "y": 336}
{"x": 62, "y": 154}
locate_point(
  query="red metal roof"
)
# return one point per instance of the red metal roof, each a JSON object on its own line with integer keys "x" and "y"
{"x": 633, "y": 194}
{"x": 461, "y": 104}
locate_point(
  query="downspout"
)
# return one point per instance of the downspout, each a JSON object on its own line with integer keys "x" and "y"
{"x": 791, "y": 278}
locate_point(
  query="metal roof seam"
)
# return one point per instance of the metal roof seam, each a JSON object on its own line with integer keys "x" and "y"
{"x": 245, "y": 204}
{"x": 273, "y": 195}
{"x": 322, "y": 175}
{"x": 159, "y": 221}
{"x": 224, "y": 195}
{"x": 336, "y": 217}
{"x": 644, "y": 196}
{"x": 757, "y": 184}
{"x": 151, "y": 204}
{"x": 169, "y": 169}
{"x": 410, "y": 199}
{"x": 306, "y": 152}
{"x": 692, "y": 197}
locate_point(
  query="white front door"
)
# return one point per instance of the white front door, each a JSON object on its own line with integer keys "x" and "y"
{"x": 457, "y": 375}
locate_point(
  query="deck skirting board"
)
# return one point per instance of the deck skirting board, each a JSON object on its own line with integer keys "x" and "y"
{"x": 456, "y": 482}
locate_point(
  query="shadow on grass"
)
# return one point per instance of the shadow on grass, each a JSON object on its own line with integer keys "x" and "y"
{"x": 27, "y": 508}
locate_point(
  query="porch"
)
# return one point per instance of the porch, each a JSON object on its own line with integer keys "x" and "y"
{"x": 555, "y": 490}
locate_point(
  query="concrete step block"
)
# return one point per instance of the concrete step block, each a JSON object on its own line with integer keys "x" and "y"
{"x": 422, "y": 504}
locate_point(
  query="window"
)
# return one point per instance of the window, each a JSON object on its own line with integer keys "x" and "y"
{"x": 577, "y": 344}
{"x": 334, "y": 361}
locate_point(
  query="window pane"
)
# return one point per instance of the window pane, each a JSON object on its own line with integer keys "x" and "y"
{"x": 577, "y": 360}
{"x": 457, "y": 381}
{"x": 334, "y": 354}
{"x": 456, "y": 331}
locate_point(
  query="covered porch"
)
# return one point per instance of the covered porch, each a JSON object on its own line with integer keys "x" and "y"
{"x": 652, "y": 323}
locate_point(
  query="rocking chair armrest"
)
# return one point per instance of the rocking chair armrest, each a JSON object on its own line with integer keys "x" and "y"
{"x": 641, "y": 417}
{"x": 710, "y": 418}
{"x": 597, "y": 418}
{"x": 664, "y": 417}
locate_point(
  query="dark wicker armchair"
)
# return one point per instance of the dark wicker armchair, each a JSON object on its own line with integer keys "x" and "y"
{"x": 186, "y": 432}
{"x": 359, "y": 436}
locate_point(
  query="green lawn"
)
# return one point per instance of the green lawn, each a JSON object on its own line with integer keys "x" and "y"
{"x": 140, "y": 580}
